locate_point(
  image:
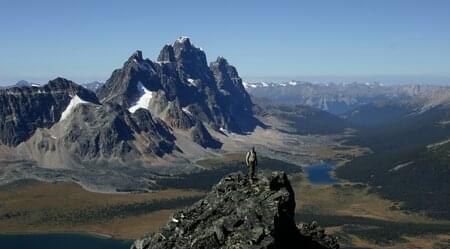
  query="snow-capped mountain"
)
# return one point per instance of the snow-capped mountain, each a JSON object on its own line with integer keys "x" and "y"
{"x": 342, "y": 98}
{"x": 146, "y": 112}
{"x": 93, "y": 86}
{"x": 181, "y": 83}
{"x": 26, "y": 108}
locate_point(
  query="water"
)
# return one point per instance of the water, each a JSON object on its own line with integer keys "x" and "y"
{"x": 60, "y": 241}
{"x": 320, "y": 174}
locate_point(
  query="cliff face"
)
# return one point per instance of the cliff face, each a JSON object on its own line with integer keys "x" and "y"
{"x": 24, "y": 109}
{"x": 237, "y": 214}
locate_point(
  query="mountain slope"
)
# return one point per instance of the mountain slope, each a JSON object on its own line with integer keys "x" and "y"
{"x": 24, "y": 109}
{"x": 92, "y": 134}
{"x": 409, "y": 162}
{"x": 301, "y": 119}
{"x": 380, "y": 113}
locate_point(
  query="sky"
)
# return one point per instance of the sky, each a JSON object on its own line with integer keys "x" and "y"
{"x": 390, "y": 41}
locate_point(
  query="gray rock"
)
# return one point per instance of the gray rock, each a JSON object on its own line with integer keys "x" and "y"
{"x": 215, "y": 93}
{"x": 24, "y": 109}
{"x": 237, "y": 214}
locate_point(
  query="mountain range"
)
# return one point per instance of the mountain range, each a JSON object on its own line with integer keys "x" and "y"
{"x": 147, "y": 112}
{"x": 342, "y": 99}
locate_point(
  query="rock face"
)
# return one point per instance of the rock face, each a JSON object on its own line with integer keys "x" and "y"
{"x": 94, "y": 133}
{"x": 24, "y": 109}
{"x": 237, "y": 214}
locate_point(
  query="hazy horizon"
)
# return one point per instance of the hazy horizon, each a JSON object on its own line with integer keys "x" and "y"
{"x": 315, "y": 79}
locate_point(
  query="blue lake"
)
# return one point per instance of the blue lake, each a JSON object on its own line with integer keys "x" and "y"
{"x": 60, "y": 241}
{"x": 320, "y": 174}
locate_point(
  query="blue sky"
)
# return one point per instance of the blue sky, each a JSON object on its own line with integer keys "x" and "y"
{"x": 390, "y": 41}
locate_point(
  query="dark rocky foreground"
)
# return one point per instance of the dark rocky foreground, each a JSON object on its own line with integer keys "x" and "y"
{"x": 237, "y": 214}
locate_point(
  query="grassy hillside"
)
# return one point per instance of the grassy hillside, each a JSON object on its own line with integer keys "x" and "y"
{"x": 302, "y": 119}
{"x": 403, "y": 166}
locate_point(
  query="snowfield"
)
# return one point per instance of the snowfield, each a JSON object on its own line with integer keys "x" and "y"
{"x": 74, "y": 102}
{"x": 144, "y": 99}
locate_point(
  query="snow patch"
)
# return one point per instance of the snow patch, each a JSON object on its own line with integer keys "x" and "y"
{"x": 225, "y": 131}
{"x": 74, "y": 102}
{"x": 144, "y": 99}
{"x": 191, "y": 81}
{"x": 186, "y": 110}
{"x": 249, "y": 85}
{"x": 431, "y": 146}
{"x": 400, "y": 166}
{"x": 292, "y": 83}
{"x": 182, "y": 39}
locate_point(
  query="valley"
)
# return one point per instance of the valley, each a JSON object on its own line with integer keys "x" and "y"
{"x": 368, "y": 162}
{"x": 350, "y": 211}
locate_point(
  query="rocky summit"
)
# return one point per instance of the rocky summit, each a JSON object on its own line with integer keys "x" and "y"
{"x": 237, "y": 214}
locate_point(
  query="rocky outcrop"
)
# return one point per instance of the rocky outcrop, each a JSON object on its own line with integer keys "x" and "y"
{"x": 24, "y": 109}
{"x": 237, "y": 214}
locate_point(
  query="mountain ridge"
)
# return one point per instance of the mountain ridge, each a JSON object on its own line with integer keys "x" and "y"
{"x": 238, "y": 214}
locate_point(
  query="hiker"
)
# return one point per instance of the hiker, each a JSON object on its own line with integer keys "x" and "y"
{"x": 251, "y": 160}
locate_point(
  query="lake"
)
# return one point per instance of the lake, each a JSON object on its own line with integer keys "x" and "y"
{"x": 320, "y": 174}
{"x": 60, "y": 241}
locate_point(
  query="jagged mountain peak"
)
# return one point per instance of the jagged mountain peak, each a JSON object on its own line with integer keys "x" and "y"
{"x": 136, "y": 56}
{"x": 221, "y": 61}
{"x": 215, "y": 92}
{"x": 59, "y": 81}
{"x": 183, "y": 40}
{"x": 72, "y": 88}
{"x": 167, "y": 54}
{"x": 182, "y": 50}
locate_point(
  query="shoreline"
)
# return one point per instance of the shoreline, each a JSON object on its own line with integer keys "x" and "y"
{"x": 85, "y": 234}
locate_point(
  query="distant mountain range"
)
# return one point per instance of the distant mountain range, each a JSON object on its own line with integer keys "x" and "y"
{"x": 93, "y": 86}
{"x": 340, "y": 99}
{"x": 20, "y": 83}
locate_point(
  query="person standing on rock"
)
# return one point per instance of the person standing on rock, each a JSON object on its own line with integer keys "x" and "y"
{"x": 251, "y": 160}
